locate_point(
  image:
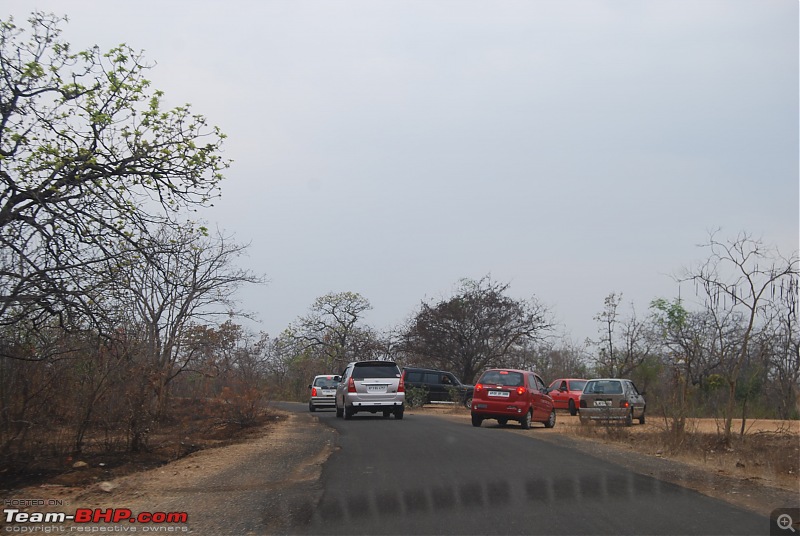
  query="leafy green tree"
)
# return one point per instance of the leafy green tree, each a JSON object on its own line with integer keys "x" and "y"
{"x": 88, "y": 157}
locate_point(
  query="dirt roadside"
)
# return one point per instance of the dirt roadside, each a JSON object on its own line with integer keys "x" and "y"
{"x": 276, "y": 473}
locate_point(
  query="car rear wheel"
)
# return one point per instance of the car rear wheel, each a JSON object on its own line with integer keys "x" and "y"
{"x": 502, "y": 422}
{"x": 551, "y": 420}
{"x": 476, "y": 421}
{"x": 641, "y": 419}
{"x": 398, "y": 413}
{"x": 311, "y": 407}
{"x": 387, "y": 414}
{"x": 629, "y": 418}
{"x": 339, "y": 412}
{"x": 348, "y": 413}
{"x": 526, "y": 421}
{"x": 572, "y": 409}
{"x": 468, "y": 402}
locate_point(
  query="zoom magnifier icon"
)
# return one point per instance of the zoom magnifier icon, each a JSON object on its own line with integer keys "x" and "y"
{"x": 785, "y": 522}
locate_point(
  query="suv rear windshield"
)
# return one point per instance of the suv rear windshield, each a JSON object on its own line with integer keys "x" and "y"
{"x": 375, "y": 370}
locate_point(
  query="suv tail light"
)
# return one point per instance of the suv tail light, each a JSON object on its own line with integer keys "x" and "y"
{"x": 351, "y": 386}
{"x": 520, "y": 390}
{"x": 478, "y": 387}
{"x": 624, "y": 404}
{"x": 401, "y": 386}
{"x": 313, "y": 391}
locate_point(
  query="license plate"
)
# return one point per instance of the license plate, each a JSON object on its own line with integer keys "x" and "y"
{"x": 376, "y": 388}
{"x": 328, "y": 393}
{"x": 503, "y": 394}
{"x": 601, "y": 403}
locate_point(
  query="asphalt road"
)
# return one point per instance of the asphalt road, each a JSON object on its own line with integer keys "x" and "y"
{"x": 426, "y": 475}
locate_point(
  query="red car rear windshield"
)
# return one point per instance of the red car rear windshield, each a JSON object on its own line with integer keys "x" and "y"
{"x": 498, "y": 377}
{"x": 576, "y": 385}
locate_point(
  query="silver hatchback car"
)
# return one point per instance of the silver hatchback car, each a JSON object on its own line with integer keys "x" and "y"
{"x": 323, "y": 391}
{"x": 373, "y": 386}
{"x": 607, "y": 399}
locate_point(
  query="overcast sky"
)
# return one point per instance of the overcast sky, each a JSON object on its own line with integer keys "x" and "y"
{"x": 569, "y": 148}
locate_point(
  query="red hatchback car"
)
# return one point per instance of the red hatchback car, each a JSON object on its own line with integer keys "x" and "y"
{"x": 512, "y": 395}
{"x": 566, "y": 393}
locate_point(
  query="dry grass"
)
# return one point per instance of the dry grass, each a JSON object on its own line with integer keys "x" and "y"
{"x": 769, "y": 450}
{"x": 187, "y": 430}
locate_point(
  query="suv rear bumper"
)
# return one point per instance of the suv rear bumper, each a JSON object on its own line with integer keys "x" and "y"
{"x": 374, "y": 407}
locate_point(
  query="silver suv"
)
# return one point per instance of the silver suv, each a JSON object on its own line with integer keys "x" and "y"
{"x": 371, "y": 386}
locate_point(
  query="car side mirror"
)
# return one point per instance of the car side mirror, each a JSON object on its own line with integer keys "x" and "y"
{"x": 309, "y": 386}
{"x": 337, "y": 378}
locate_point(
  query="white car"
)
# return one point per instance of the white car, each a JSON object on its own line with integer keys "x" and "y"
{"x": 323, "y": 392}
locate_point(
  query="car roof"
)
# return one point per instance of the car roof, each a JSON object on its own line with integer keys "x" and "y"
{"x": 511, "y": 370}
{"x": 570, "y": 380}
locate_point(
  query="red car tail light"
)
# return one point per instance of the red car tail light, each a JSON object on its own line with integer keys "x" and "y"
{"x": 351, "y": 386}
{"x": 313, "y": 391}
{"x": 401, "y": 387}
{"x": 624, "y": 404}
{"x": 520, "y": 390}
{"x": 479, "y": 387}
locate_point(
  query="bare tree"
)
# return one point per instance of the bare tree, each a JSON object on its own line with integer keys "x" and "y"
{"x": 737, "y": 282}
{"x": 552, "y": 359}
{"x": 190, "y": 278}
{"x": 607, "y": 320}
{"x": 625, "y": 344}
{"x": 335, "y": 326}
{"x": 783, "y": 338}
